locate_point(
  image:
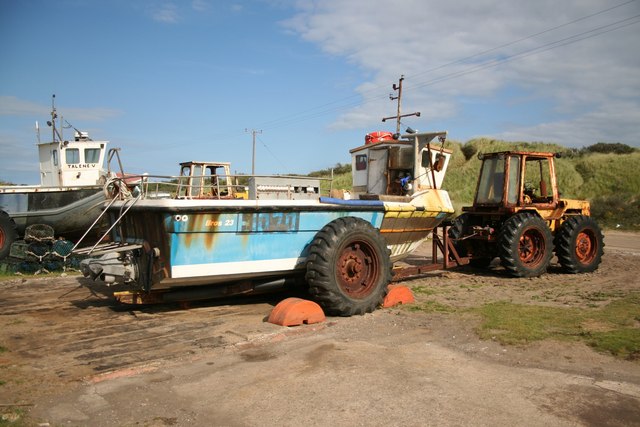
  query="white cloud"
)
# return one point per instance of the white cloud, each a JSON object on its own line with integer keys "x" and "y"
{"x": 587, "y": 81}
{"x": 13, "y": 106}
{"x": 585, "y": 129}
{"x": 167, "y": 13}
{"x": 200, "y": 5}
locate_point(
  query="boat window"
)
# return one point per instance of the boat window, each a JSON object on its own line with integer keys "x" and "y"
{"x": 72, "y": 156}
{"x": 91, "y": 155}
{"x": 54, "y": 156}
{"x": 361, "y": 162}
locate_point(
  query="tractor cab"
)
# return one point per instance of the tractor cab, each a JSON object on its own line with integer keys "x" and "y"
{"x": 205, "y": 180}
{"x": 514, "y": 180}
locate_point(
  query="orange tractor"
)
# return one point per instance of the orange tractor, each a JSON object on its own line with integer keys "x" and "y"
{"x": 518, "y": 216}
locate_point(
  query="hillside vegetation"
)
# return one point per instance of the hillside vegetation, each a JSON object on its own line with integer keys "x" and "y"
{"x": 608, "y": 175}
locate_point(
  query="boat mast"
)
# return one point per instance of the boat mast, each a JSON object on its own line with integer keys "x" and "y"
{"x": 398, "y": 115}
{"x": 54, "y": 116}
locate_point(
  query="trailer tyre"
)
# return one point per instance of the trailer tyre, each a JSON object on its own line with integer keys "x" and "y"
{"x": 524, "y": 245}
{"x": 579, "y": 245}
{"x": 348, "y": 267}
{"x": 8, "y": 234}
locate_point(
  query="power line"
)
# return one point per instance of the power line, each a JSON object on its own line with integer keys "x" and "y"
{"x": 272, "y": 154}
{"x": 543, "y": 48}
{"x": 331, "y": 107}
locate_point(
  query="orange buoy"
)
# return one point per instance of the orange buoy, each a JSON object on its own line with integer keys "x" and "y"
{"x": 398, "y": 294}
{"x": 296, "y": 311}
{"x": 378, "y": 136}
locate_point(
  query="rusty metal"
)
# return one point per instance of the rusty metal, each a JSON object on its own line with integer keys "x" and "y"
{"x": 441, "y": 245}
{"x": 586, "y": 246}
{"x": 135, "y": 298}
{"x": 358, "y": 270}
{"x": 531, "y": 248}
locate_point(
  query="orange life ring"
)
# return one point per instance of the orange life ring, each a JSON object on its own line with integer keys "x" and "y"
{"x": 378, "y": 136}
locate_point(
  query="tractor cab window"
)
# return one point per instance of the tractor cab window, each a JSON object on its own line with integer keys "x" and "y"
{"x": 196, "y": 181}
{"x": 514, "y": 180}
{"x": 184, "y": 183}
{"x": 491, "y": 185}
{"x": 215, "y": 182}
{"x": 537, "y": 181}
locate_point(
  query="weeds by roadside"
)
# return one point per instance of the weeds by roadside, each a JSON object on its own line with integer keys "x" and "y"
{"x": 612, "y": 328}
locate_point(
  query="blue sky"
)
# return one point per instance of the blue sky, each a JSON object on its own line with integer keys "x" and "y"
{"x": 171, "y": 81}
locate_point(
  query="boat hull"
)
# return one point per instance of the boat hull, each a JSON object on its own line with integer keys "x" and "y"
{"x": 190, "y": 243}
{"x": 69, "y": 211}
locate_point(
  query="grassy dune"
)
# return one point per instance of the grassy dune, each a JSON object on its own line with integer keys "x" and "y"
{"x": 610, "y": 181}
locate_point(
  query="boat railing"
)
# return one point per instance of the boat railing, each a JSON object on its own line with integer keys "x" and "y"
{"x": 217, "y": 187}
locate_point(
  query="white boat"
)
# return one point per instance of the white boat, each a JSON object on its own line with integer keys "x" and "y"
{"x": 70, "y": 195}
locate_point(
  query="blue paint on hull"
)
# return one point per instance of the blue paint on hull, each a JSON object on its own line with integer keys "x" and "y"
{"x": 242, "y": 237}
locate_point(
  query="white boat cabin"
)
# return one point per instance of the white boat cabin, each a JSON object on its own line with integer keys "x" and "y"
{"x": 387, "y": 166}
{"x": 74, "y": 163}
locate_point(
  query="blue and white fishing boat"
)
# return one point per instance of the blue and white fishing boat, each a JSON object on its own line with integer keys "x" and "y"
{"x": 216, "y": 237}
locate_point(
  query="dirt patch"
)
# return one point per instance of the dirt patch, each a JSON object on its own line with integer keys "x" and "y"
{"x": 63, "y": 343}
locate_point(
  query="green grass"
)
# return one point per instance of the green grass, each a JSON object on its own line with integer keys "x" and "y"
{"x": 516, "y": 324}
{"x": 431, "y": 307}
{"x": 12, "y": 417}
{"x": 613, "y": 328}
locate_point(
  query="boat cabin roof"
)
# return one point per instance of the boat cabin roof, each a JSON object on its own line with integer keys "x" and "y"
{"x": 407, "y": 139}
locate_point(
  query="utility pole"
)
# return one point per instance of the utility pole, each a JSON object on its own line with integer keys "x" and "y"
{"x": 398, "y": 116}
{"x": 253, "y": 156}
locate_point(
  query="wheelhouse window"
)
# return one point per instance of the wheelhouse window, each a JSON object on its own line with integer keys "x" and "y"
{"x": 72, "y": 156}
{"x": 91, "y": 155}
{"x": 54, "y": 157}
{"x": 361, "y": 162}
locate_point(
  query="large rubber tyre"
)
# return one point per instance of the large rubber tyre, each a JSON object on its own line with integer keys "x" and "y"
{"x": 8, "y": 234}
{"x": 348, "y": 267}
{"x": 460, "y": 227}
{"x": 525, "y": 245}
{"x": 579, "y": 245}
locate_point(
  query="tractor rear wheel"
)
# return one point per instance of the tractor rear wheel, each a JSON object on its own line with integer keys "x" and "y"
{"x": 524, "y": 245}
{"x": 8, "y": 234}
{"x": 579, "y": 245}
{"x": 348, "y": 267}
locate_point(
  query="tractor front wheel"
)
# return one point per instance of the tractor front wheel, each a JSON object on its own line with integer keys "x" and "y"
{"x": 348, "y": 267}
{"x": 524, "y": 245}
{"x": 579, "y": 245}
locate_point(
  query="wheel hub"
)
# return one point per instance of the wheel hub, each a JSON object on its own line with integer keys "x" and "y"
{"x": 531, "y": 247}
{"x": 356, "y": 270}
{"x": 585, "y": 248}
